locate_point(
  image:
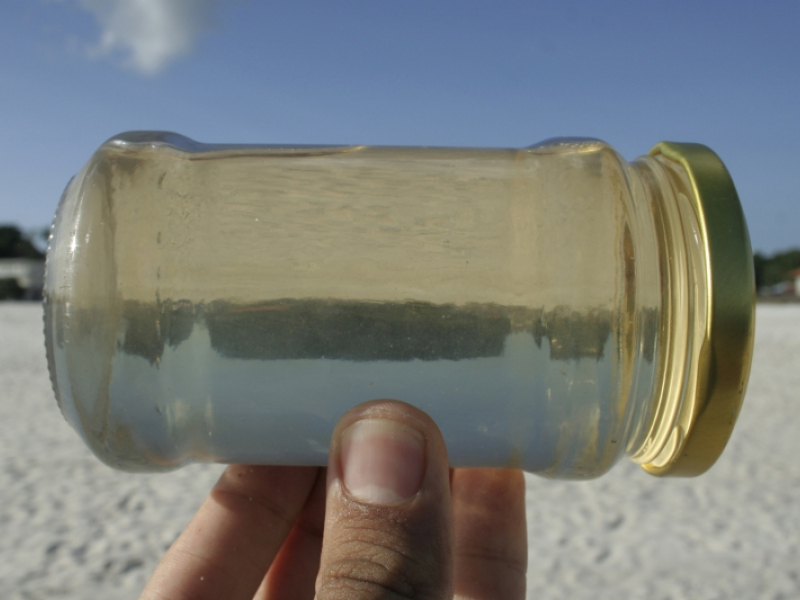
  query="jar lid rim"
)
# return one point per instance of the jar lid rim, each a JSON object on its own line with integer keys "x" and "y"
{"x": 730, "y": 310}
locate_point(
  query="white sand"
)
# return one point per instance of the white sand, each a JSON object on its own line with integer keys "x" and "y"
{"x": 70, "y": 527}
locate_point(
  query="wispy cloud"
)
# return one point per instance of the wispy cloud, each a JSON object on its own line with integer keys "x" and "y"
{"x": 146, "y": 35}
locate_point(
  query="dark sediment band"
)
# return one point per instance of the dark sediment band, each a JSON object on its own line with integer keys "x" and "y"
{"x": 361, "y": 331}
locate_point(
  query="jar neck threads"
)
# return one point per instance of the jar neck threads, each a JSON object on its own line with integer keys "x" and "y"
{"x": 682, "y": 267}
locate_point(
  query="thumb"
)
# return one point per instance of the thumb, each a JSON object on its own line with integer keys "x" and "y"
{"x": 388, "y": 519}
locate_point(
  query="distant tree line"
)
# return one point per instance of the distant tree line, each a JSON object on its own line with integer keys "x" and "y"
{"x": 775, "y": 269}
{"x": 16, "y": 244}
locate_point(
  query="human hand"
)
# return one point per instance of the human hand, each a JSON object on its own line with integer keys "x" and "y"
{"x": 384, "y": 520}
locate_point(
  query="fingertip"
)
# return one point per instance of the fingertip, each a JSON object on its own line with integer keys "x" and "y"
{"x": 388, "y": 523}
{"x": 385, "y": 452}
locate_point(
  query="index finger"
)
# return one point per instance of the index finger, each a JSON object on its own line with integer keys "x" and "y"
{"x": 491, "y": 538}
{"x": 227, "y": 548}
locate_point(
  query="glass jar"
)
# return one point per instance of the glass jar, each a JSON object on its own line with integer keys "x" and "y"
{"x": 552, "y": 308}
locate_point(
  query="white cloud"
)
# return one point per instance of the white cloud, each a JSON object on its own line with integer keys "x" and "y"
{"x": 149, "y": 34}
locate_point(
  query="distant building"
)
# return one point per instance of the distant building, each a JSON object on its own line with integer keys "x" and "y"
{"x": 28, "y": 272}
{"x": 795, "y": 275}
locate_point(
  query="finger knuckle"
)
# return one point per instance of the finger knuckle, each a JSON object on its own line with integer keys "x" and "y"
{"x": 363, "y": 579}
{"x": 371, "y": 566}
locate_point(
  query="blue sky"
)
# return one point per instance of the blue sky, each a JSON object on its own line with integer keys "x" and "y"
{"x": 435, "y": 72}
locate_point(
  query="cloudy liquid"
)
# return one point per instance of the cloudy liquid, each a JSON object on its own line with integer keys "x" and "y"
{"x": 244, "y": 298}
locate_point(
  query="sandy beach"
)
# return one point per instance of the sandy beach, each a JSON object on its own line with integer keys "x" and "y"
{"x": 72, "y": 528}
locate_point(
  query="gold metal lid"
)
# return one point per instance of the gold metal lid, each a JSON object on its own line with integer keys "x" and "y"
{"x": 727, "y": 344}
